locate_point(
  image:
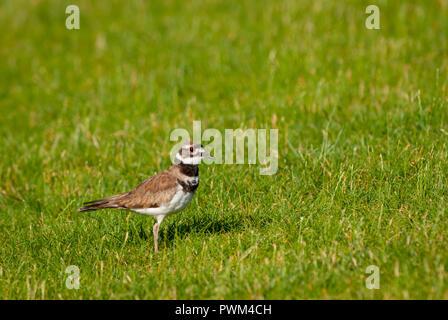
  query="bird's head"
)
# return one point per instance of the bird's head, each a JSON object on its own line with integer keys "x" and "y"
{"x": 191, "y": 153}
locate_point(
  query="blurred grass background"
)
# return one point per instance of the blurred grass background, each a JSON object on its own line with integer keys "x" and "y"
{"x": 362, "y": 120}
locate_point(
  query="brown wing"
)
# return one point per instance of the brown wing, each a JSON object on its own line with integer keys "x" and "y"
{"x": 151, "y": 193}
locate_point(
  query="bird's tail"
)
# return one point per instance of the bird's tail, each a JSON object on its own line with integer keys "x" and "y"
{"x": 105, "y": 203}
{"x": 96, "y": 205}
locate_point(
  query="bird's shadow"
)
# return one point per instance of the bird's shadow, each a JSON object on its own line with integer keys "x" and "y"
{"x": 180, "y": 230}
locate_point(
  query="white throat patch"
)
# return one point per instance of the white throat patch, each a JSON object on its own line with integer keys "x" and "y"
{"x": 193, "y": 160}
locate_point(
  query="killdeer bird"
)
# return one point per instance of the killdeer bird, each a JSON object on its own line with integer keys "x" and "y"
{"x": 163, "y": 194}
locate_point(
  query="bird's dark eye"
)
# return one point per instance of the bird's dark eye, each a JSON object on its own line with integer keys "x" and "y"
{"x": 191, "y": 149}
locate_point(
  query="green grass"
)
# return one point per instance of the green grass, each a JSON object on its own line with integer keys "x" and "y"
{"x": 362, "y": 120}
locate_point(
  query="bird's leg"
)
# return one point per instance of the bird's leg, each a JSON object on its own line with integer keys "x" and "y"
{"x": 155, "y": 230}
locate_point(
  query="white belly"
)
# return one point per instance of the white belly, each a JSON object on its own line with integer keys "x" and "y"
{"x": 180, "y": 201}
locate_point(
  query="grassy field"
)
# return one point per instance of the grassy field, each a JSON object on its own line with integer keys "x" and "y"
{"x": 362, "y": 120}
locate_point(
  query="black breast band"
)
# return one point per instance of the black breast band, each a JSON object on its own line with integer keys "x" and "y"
{"x": 188, "y": 186}
{"x": 190, "y": 170}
